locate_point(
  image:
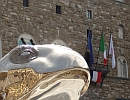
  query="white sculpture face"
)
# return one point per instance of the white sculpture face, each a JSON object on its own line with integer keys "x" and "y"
{"x": 43, "y": 72}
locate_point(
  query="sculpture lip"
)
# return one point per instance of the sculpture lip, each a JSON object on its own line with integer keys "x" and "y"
{"x": 44, "y": 81}
{"x": 76, "y": 73}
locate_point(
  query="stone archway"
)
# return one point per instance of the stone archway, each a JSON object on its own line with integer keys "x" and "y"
{"x": 26, "y": 39}
{"x": 0, "y": 47}
{"x": 59, "y": 42}
{"x": 28, "y": 29}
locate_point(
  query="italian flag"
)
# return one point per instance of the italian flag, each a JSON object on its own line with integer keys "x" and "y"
{"x": 103, "y": 49}
{"x": 96, "y": 76}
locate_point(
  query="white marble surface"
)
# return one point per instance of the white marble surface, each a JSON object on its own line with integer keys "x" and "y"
{"x": 50, "y": 58}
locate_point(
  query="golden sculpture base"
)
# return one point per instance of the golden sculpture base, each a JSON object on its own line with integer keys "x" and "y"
{"x": 19, "y": 83}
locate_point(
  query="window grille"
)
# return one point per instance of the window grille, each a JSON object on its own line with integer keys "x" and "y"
{"x": 25, "y": 3}
{"x": 58, "y": 9}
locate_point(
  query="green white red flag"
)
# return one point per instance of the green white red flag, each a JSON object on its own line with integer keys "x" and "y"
{"x": 103, "y": 49}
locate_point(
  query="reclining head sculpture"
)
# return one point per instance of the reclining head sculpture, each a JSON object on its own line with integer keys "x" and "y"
{"x": 43, "y": 72}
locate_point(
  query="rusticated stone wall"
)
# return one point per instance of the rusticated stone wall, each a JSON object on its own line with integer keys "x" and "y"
{"x": 111, "y": 89}
{"x": 41, "y": 21}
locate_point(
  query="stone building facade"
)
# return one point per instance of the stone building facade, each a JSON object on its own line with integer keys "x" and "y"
{"x": 66, "y": 22}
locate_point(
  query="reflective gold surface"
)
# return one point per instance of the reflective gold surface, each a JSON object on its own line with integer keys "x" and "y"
{"x": 20, "y": 83}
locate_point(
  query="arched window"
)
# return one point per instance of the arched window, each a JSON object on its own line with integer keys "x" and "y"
{"x": 122, "y": 67}
{"x": 120, "y": 31}
{"x": 26, "y": 39}
{"x": 0, "y": 48}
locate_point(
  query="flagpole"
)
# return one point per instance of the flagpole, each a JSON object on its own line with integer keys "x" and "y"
{"x": 88, "y": 54}
{"x": 107, "y": 61}
{"x": 108, "y": 49}
{"x": 98, "y": 50}
{"x": 97, "y": 60}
